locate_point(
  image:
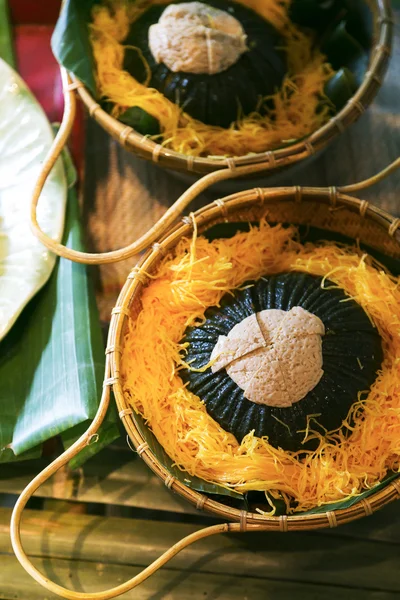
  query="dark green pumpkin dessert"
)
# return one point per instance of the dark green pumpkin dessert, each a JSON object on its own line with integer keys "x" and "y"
{"x": 285, "y": 355}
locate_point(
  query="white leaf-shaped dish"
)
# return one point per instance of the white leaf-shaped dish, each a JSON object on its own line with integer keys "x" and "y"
{"x": 25, "y": 138}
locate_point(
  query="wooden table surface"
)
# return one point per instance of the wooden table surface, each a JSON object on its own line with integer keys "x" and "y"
{"x": 98, "y": 526}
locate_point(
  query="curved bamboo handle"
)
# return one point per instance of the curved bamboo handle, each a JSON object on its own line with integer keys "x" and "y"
{"x": 63, "y": 459}
{"x": 362, "y": 185}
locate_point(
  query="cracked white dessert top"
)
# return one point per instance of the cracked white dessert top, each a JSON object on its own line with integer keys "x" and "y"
{"x": 274, "y": 356}
{"x": 193, "y": 37}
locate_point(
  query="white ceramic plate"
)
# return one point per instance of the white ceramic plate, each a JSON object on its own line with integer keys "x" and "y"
{"x": 25, "y": 138}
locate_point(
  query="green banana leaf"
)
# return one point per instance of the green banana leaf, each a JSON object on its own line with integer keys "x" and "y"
{"x": 344, "y": 32}
{"x": 341, "y": 48}
{"x": 72, "y": 49}
{"x": 341, "y": 86}
{"x": 343, "y": 29}
{"x": 140, "y": 120}
{"x": 347, "y": 503}
{"x": 6, "y": 48}
{"x": 52, "y": 362}
{"x": 70, "y": 41}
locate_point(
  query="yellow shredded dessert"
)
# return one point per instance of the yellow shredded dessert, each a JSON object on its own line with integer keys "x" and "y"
{"x": 298, "y": 108}
{"x": 196, "y": 277}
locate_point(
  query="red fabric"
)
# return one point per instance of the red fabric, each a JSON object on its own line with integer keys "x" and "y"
{"x": 38, "y": 67}
{"x": 34, "y": 12}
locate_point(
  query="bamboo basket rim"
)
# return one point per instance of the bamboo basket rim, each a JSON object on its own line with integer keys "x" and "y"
{"x": 273, "y": 159}
{"x": 219, "y": 211}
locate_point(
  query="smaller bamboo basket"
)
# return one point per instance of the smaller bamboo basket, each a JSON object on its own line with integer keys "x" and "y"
{"x": 275, "y": 160}
{"x": 326, "y": 209}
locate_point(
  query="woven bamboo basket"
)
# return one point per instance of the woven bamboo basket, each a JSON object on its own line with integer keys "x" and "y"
{"x": 273, "y": 160}
{"x": 326, "y": 209}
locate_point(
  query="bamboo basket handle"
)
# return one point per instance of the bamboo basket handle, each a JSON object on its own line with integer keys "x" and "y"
{"x": 171, "y": 214}
{"x": 63, "y": 459}
{"x": 366, "y": 183}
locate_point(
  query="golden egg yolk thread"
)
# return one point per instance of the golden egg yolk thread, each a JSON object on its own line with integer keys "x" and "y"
{"x": 298, "y": 108}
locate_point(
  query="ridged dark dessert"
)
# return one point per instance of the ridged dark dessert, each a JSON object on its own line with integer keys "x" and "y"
{"x": 351, "y": 350}
{"x": 214, "y": 99}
